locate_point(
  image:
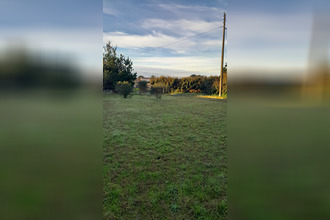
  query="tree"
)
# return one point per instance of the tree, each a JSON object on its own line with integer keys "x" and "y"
{"x": 124, "y": 88}
{"x": 116, "y": 68}
{"x": 192, "y": 84}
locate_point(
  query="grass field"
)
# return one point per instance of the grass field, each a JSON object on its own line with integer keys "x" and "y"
{"x": 164, "y": 159}
{"x": 50, "y": 155}
{"x": 279, "y": 159}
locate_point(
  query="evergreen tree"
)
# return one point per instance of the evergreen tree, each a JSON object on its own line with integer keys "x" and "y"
{"x": 116, "y": 68}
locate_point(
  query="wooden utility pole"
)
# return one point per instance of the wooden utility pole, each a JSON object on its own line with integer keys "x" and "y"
{"x": 222, "y": 52}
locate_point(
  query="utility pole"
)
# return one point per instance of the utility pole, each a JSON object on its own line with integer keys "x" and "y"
{"x": 222, "y": 52}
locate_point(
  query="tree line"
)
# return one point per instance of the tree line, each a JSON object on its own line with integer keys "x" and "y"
{"x": 118, "y": 76}
{"x": 192, "y": 84}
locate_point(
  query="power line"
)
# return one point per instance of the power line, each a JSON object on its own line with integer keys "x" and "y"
{"x": 197, "y": 25}
{"x": 188, "y": 38}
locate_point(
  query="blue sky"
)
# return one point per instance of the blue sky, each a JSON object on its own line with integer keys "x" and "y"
{"x": 57, "y": 29}
{"x": 140, "y": 28}
{"x": 268, "y": 38}
{"x": 50, "y": 13}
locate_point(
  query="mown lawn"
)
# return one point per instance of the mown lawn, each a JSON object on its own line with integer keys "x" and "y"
{"x": 164, "y": 159}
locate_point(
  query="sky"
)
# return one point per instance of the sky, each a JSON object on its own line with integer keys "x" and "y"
{"x": 56, "y": 29}
{"x": 141, "y": 29}
{"x": 268, "y": 39}
{"x": 265, "y": 38}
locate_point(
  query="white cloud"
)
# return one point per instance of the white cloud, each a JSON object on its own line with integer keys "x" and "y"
{"x": 181, "y": 26}
{"x": 156, "y": 40}
{"x": 199, "y": 64}
{"x": 192, "y": 11}
{"x": 199, "y": 54}
{"x": 191, "y": 8}
{"x": 149, "y": 71}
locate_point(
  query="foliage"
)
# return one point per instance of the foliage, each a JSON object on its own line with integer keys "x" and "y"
{"x": 116, "y": 68}
{"x": 142, "y": 86}
{"x": 157, "y": 90}
{"x": 193, "y": 84}
{"x": 124, "y": 88}
{"x": 224, "y": 91}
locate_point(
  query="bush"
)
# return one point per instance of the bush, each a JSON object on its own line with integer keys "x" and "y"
{"x": 124, "y": 88}
{"x": 142, "y": 85}
{"x": 157, "y": 90}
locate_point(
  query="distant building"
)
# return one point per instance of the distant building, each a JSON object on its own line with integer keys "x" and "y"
{"x": 142, "y": 78}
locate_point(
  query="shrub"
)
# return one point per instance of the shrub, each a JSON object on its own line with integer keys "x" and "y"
{"x": 142, "y": 85}
{"x": 124, "y": 88}
{"x": 157, "y": 90}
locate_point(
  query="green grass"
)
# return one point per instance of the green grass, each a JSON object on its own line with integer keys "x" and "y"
{"x": 50, "y": 155}
{"x": 279, "y": 158}
{"x": 164, "y": 159}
